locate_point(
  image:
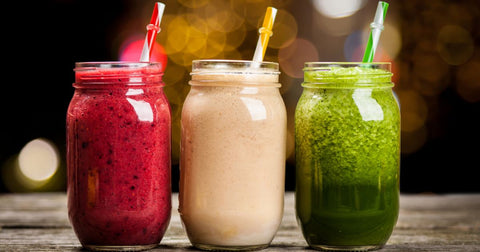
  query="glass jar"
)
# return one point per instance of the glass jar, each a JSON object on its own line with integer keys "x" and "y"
{"x": 347, "y": 126}
{"x": 232, "y": 164}
{"x": 118, "y": 156}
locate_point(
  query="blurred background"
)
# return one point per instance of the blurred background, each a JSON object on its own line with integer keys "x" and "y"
{"x": 434, "y": 47}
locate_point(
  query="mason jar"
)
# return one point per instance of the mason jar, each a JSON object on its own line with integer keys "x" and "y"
{"x": 347, "y": 137}
{"x": 118, "y": 156}
{"x": 232, "y": 164}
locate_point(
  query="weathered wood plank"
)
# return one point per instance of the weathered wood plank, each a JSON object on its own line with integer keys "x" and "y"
{"x": 34, "y": 210}
{"x": 39, "y": 222}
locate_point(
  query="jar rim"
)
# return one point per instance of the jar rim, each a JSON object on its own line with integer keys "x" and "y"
{"x": 223, "y": 66}
{"x": 347, "y": 74}
{"x": 312, "y": 66}
{"x": 118, "y": 73}
{"x": 98, "y": 65}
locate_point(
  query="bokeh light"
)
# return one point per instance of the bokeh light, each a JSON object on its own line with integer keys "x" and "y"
{"x": 176, "y": 34}
{"x": 414, "y": 114}
{"x": 38, "y": 160}
{"x": 414, "y": 110}
{"x": 354, "y": 47}
{"x": 429, "y": 70}
{"x": 130, "y": 49}
{"x": 235, "y": 38}
{"x": 252, "y": 11}
{"x": 336, "y": 27}
{"x": 285, "y": 30}
{"x": 194, "y": 3}
{"x": 293, "y": 57}
{"x": 338, "y": 8}
{"x": 468, "y": 81}
{"x": 391, "y": 40}
{"x": 221, "y": 18}
{"x": 455, "y": 44}
{"x": 37, "y": 167}
{"x": 412, "y": 141}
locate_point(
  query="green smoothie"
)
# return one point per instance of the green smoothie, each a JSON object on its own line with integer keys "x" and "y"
{"x": 347, "y": 125}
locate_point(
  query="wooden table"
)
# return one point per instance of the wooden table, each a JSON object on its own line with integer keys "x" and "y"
{"x": 39, "y": 222}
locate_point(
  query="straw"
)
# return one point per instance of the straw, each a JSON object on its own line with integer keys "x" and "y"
{"x": 265, "y": 34}
{"x": 375, "y": 29}
{"x": 153, "y": 28}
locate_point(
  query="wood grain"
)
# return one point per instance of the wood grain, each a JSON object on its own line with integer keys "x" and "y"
{"x": 39, "y": 222}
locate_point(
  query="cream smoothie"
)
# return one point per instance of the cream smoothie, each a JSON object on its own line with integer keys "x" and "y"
{"x": 232, "y": 166}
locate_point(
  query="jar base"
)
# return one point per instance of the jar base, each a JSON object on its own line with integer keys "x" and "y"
{"x": 230, "y": 248}
{"x": 346, "y": 248}
{"x": 119, "y": 247}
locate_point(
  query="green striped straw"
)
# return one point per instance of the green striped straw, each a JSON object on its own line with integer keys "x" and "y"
{"x": 375, "y": 29}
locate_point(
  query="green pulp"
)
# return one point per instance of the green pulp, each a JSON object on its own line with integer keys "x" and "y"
{"x": 347, "y": 138}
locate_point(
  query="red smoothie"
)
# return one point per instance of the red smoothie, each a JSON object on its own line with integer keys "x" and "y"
{"x": 118, "y": 155}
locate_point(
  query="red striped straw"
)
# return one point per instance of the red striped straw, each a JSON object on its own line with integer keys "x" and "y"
{"x": 153, "y": 28}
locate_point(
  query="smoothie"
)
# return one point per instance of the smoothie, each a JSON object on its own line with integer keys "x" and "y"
{"x": 347, "y": 154}
{"x": 232, "y": 158}
{"x": 118, "y": 156}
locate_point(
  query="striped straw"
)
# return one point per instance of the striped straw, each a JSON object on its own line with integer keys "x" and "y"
{"x": 265, "y": 34}
{"x": 152, "y": 29}
{"x": 375, "y": 29}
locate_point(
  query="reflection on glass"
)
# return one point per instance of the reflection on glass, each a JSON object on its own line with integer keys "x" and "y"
{"x": 256, "y": 108}
{"x": 368, "y": 107}
{"x": 143, "y": 109}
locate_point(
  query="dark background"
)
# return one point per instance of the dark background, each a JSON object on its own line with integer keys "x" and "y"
{"x": 435, "y": 56}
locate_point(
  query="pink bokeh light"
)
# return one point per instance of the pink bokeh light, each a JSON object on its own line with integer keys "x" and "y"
{"x": 132, "y": 49}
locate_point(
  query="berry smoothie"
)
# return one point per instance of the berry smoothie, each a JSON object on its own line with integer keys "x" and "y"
{"x": 347, "y": 126}
{"x": 118, "y": 156}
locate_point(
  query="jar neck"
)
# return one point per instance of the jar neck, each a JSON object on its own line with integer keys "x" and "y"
{"x": 109, "y": 74}
{"x": 347, "y": 75}
{"x": 234, "y": 73}
{"x": 237, "y": 79}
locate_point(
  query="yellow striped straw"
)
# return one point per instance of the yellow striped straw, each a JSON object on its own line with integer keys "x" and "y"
{"x": 265, "y": 34}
